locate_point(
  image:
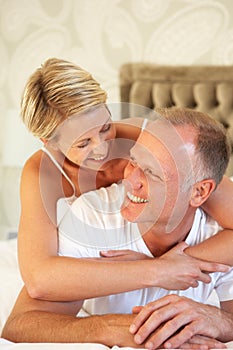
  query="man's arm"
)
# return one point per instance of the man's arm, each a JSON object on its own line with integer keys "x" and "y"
{"x": 173, "y": 320}
{"x": 43, "y": 321}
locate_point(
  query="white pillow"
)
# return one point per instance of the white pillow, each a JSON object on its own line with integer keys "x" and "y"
{"x": 10, "y": 279}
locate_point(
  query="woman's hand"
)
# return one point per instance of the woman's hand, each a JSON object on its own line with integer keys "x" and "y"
{"x": 180, "y": 271}
{"x": 123, "y": 255}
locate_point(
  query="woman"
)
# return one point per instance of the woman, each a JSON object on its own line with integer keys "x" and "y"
{"x": 65, "y": 107}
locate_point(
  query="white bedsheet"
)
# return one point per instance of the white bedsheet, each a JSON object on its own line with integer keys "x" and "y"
{"x": 5, "y": 345}
{"x": 10, "y": 285}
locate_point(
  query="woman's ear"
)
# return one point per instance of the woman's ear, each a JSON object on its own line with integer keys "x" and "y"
{"x": 51, "y": 143}
{"x": 43, "y": 140}
{"x": 201, "y": 192}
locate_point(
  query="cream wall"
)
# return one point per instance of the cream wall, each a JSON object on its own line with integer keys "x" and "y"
{"x": 99, "y": 35}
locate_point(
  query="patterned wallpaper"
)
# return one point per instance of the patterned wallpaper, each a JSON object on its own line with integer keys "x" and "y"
{"x": 100, "y": 35}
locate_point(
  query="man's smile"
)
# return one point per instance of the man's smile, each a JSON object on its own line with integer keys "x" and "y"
{"x": 136, "y": 199}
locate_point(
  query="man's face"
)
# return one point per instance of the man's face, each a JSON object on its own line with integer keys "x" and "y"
{"x": 154, "y": 178}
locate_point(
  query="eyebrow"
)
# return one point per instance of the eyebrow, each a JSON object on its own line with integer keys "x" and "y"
{"x": 145, "y": 164}
{"x": 88, "y": 138}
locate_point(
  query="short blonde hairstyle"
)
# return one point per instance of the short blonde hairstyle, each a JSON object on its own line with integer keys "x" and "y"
{"x": 54, "y": 92}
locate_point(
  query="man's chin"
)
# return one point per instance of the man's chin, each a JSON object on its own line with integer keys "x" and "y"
{"x": 129, "y": 215}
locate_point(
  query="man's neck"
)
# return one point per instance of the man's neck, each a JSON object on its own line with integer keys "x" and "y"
{"x": 157, "y": 239}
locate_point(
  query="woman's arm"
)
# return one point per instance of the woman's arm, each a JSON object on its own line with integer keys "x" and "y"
{"x": 220, "y": 206}
{"x": 44, "y": 272}
{"x": 216, "y": 248}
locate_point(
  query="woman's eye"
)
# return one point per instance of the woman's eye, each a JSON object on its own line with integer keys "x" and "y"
{"x": 106, "y": 127}
{"x": 82, "y": 145}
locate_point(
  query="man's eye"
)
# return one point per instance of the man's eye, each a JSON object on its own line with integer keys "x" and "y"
{"x": 106, "y": 127}
{"x": 152, "y": 174}
{"x": 148, "y": 171}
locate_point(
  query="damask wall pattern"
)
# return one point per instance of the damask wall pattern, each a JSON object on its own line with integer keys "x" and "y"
{"x": 100, "y": 35}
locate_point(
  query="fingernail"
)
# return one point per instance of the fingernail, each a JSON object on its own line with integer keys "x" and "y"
{"x": 168, "y": 345}
{"x": 220, "y": 346}
{"x": 132, "y": 328}
{"x": 149, "y": 345}
{"x": 138, "y": 339}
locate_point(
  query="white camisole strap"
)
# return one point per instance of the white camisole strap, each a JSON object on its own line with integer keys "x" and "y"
{"x": 144, "y": 124}
{"x": 55, "y": 162}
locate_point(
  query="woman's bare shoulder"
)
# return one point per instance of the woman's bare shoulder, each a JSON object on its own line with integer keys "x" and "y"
{"x": 33, "y": 162}
{"x": 37, "y": 168}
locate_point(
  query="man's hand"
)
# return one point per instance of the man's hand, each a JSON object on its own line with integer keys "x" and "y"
{"x": 173, "y": 320}
{"x": 202, "y": 343}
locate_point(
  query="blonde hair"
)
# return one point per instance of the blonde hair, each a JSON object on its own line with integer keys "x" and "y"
{"x": 54, "y": 92}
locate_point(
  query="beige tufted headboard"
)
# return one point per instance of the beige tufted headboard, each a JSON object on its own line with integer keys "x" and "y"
{"x": 205, "y": 88}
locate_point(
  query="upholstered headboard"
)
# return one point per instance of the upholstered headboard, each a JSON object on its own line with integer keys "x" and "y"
{"x": 205, "y": 88}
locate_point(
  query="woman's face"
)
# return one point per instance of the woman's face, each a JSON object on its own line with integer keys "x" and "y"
{"x": 85, "y": 139}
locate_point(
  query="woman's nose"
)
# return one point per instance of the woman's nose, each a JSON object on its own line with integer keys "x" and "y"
{"x": 100, "y": 147}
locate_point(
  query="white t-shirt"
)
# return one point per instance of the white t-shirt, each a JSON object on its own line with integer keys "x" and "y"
{"x": 93, "y": 223}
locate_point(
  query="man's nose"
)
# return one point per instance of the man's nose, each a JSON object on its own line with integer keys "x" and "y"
{"x": 135, "y": 177}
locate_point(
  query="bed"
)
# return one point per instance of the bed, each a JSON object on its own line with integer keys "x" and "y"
{"x": 10, "y": 286}
{"x": 205, "y": 88}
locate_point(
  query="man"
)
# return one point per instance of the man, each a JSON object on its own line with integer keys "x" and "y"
{"x": 171, "y": 173}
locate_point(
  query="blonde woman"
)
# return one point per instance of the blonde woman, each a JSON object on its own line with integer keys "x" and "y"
{"x": 66, "y": 108}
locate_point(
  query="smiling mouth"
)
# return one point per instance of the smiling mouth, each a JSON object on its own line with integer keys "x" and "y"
{"x": 98, "y": 158}
{"x": 136, "y": 199}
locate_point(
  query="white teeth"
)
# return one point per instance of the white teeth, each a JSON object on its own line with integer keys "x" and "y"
{"x": 98, "y": 158}
{"x": 136, "y": 199}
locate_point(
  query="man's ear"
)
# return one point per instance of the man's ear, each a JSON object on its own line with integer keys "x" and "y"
{"x": 201, "y": 192}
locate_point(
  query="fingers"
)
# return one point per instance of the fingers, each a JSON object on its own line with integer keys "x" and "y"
{"x": 137, "y": 309}
{"x": 200, "y": 341}
{"x": 180, "y": 247}
{"x": 167, "y": 330}
{"x": 114, "y": 253}
{"x": 204, "y": 277}
{"x": 147, "y": 310}
{"x": 213, "y": 267}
